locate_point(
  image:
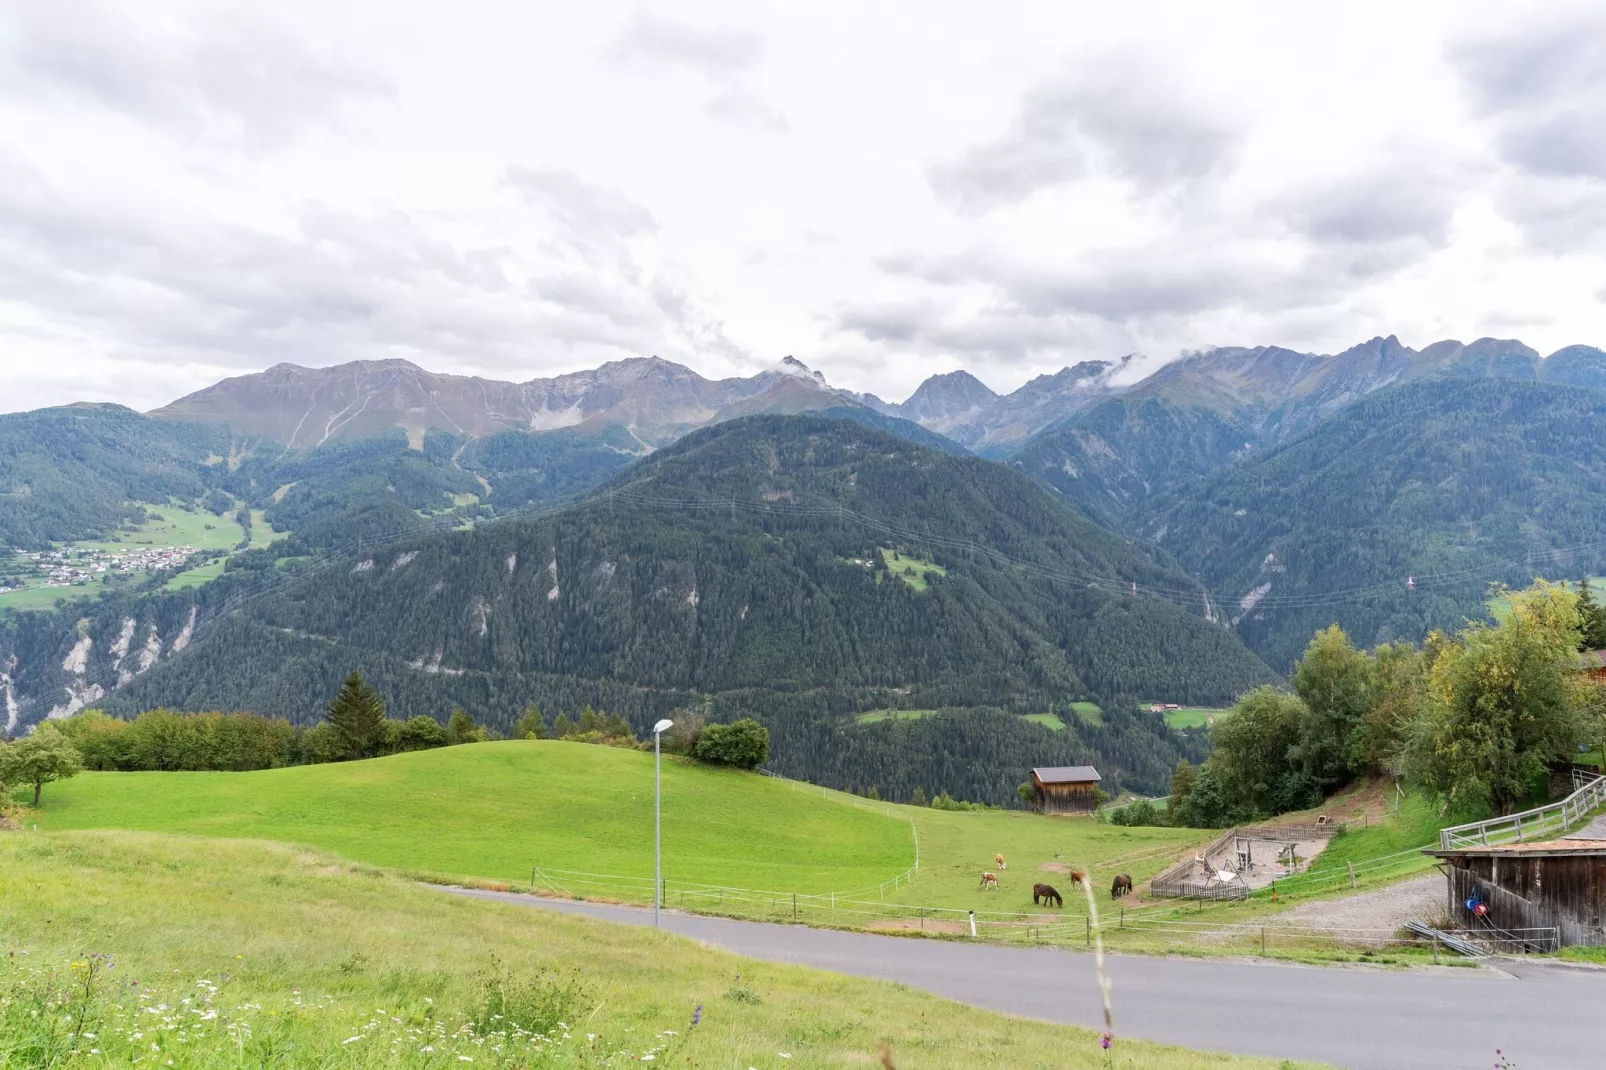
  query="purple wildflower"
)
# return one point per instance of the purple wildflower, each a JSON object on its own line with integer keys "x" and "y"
{"x": 697, "y": 1015}
{"x": 1104, "y": 1041}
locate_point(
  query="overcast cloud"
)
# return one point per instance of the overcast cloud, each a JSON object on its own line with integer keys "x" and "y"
{"x": 191, "y": 188}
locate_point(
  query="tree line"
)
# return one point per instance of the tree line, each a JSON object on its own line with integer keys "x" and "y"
{"x": 1475, "y": 719}
{"x": 355, "y": 726}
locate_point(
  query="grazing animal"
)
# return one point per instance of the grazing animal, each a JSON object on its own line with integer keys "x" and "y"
{"x": 1047, "y": 894}
{"x": 1077, "y": 877}
{"x": 1122, "y": 885}
{"x": 1000, "y": 860}
{"x": 989, "y": 879}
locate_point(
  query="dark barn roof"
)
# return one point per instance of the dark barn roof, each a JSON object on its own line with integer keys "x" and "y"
{"x": 1067, "y": 774}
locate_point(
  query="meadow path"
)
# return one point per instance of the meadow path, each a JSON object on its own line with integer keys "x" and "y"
{"x": 1545, "y": 1016}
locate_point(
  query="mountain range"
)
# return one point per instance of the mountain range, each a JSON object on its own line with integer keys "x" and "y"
{"x": 1177, "y": 537}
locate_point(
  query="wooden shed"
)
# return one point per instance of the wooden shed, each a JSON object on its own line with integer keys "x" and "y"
{"x": 1558, "y": 884}
{"x": 1593, "y": 662}
{"x": 1065, "y": 789}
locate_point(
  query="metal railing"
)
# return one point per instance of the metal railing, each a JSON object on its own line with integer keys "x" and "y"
{"x": 1538, "y": 823}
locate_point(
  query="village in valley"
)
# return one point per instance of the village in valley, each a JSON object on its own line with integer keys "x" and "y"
{"x": 75, "y": 567}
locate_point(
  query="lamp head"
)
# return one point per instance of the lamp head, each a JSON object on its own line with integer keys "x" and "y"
{"x": 662, "y": 726}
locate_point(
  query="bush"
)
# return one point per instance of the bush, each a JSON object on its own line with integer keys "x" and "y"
{"x": 744, "y": 744}
{"x": 319, "y": 744}
{"x": 944, "y": 801}
{"x": 162, "y": 739}
{"x": 1142, "y": 812}
{"x": 419, "y": 733}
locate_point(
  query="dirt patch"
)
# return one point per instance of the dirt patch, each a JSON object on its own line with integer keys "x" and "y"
{"x": 1386, "y": 909}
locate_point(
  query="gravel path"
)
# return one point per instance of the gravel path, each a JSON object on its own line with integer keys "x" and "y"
{"x": 1418, "y": 899}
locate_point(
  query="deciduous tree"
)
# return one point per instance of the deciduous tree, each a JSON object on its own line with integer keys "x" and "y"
{"x": 1503, "y": 703}
{"x": 40, "y": 758}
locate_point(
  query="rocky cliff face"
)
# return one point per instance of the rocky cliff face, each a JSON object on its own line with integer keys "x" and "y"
{"x": 657, "y": 400}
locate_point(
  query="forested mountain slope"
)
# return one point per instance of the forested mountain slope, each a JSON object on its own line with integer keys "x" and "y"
{"x": 1454, "y": 482}
{"x": 1199, "y": 414}
{"x": 797, "y": 568}
{"x": 79, "y": 471}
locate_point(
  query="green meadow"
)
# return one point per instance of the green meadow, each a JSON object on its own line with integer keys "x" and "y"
{"x": 492, "y": 811}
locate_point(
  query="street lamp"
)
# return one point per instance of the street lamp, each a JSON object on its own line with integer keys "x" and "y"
{"x": 658, "y": 731}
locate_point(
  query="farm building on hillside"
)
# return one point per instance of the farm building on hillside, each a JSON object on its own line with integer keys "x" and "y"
{"x": 1065, "y": 789}
{"x": 1557, "y": 884}
{"x": 1593, "y": 662}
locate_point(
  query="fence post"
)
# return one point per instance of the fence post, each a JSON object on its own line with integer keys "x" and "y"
{"x": 1087, "y": 934}
{"x": 1435, "y": 949}
{"x": 1351, "y": 867}
{"x": 1262, "y": 939}
{"x": 922, "y": 919}
{"x": 972, "y": 923}
{"x": 794, "y": 906}
{"x": 1123, "y": 918}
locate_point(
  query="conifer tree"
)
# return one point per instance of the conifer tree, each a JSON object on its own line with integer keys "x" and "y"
{"x": 460, "y": 728}
{"x": 1591, "y": 619}
{"x": 530, "y": 725}
{"x": 358, "y": 714}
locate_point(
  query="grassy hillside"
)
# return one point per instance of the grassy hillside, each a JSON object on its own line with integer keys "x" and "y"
{"x": 493, "y": 810}
{"x": 265, "y": 955}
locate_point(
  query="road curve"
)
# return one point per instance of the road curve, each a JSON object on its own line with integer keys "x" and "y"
{"x": 1544, "y": 1016}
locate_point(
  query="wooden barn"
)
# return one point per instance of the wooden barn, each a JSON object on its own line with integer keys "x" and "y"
{"x": 1065, "y": 789}
{"x": 1593, "y": 662}
{"x": 1559, "y": 884}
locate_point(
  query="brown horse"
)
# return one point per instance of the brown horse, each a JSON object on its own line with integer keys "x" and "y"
{"x": 989, "y": 879}
{"x": 1122, "y": 885}
{"x": 1047, "y": 894}
{"x": 1000, "y": 860}
{"x": 1077, "y": 877}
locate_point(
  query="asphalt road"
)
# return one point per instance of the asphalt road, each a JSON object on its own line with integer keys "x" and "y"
{"x": 1542, "y": 1015}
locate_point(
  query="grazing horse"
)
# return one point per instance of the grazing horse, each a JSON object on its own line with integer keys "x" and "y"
{"x": 1122, "y": 885}
{"x": 989, "y": 879}
{"x": 1047, "y": 894}
{"x": 1000, "y": 860}
{"x": 1077, "y": 877}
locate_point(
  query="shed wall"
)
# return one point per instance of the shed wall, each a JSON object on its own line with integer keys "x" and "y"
{"x": 1530, "y": 892}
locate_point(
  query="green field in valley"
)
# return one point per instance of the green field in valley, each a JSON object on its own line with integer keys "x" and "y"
{"x": 235, "y": 954}
{"x": 1050, "y": 721}
{"x": 166, "y": 526}
{"x": 1088, "y": 713}
{"x": 914, "y": 571}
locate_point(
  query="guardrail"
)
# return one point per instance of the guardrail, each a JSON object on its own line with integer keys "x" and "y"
{"x": 1538, "y": 823}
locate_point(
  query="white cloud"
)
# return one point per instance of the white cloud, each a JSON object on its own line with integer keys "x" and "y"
{"x": 191, "y": 188}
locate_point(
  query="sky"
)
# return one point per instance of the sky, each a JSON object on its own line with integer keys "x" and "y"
{"x": 193, "y": 190}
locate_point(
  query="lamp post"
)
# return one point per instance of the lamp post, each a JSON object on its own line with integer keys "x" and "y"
{"x": 657, "y": 816}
